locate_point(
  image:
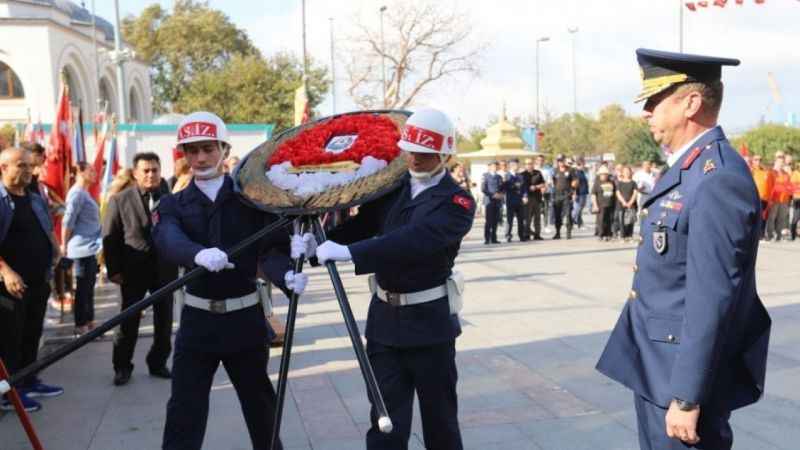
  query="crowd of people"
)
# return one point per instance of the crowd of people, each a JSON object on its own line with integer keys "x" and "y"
{"x": 779, "y": 190}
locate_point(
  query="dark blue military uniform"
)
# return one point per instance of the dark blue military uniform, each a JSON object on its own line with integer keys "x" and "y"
{"x": 492, "y": 184}
{"x": 516, "y": 191}
{"x": 186, "y": 223}
{"x": 694, "y": 328}
{"x": 412, "y": 348}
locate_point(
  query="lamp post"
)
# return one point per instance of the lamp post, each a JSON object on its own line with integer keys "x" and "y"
{"x": 333, "y": 70}
{"x": 383, "y": 66}
{"x": 118, "y": 57}
{"x": 680, "y": 26}
{"x": 573, "y": 32}
{"x": 538, "y": 41}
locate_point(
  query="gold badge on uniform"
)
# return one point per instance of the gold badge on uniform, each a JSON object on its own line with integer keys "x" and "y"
{"x": 709, "y": 166}
{"x": 660, "y": 242}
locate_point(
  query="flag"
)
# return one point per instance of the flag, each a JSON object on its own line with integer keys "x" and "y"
{"x": 760, "y": 2}
{"x": 739, "y": 2}
{"x": 99, "y": 160}
{"x": 743, "y": 150}
{"x": 78, "y": 145}
{"x": 112, "y": 166}
{"x": 720, "y": 3}
{"x": 702, "y": 4}
{"x": 29, "y": 135}
{"x": 58, "y": 158}
{"x": 691, "y": 6}
{"x": 300, "y": 105}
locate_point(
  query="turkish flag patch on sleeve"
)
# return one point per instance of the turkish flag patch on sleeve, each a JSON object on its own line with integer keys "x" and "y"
{"x": 463, "y": 201}
{"x": 155, "y": 217}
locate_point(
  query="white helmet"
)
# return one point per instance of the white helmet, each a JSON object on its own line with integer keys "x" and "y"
{"x": 202, "y": 126}
{"x": 428, "y": 131}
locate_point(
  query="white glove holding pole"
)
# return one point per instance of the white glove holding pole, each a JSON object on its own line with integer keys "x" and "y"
{"x": 305, "y": 244}
{"x": 331, "y": 251}
{"x": 213, "y": 259}
{"x": 296, "y": 282}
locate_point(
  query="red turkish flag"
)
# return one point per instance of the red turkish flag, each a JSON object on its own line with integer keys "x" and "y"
{"x": 739, "y": 2}
{"x": 702, "y": 4}
{"x": 743, "y": 150}
{"x": 760, "y": 2}
{"x": 720, "y": 3}
{"x": 58, "y": 158}
{"x": 691, "y": 6}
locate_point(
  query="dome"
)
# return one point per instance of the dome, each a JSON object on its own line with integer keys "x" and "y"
{"x": 81, "y": 14}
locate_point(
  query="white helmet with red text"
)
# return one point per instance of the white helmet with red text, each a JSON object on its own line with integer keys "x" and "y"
{"x": 202, "y": 126}
{"x": 428, "y": 131}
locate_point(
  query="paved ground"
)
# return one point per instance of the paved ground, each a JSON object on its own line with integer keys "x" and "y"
{"x": 536, "y": 318}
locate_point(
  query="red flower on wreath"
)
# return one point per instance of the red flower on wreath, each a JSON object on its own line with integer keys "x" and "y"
{"x": 377, "y": 137}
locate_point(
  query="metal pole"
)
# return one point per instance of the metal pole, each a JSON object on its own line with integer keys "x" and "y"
{"x": 123, "y": 107}
{"x": 537, "y": 84}
{"x": 573, "y": 32}
{"x": 680, "y": 26}
{"x": 333, "y": 69}
{"x": 96, "y": 62}
{"x": 305, "y": 52}
{"x": 383, "y": 63}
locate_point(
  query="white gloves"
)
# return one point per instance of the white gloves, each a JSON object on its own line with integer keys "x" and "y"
{"x": 331, "y": 251}
{"x": 213, "y": 259}
{"x": 296, "y": 281}
{"x": 305, "y": 245}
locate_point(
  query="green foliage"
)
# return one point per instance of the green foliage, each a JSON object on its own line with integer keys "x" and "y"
{"x": 254, "y": 89}
{"x": 471, "y": 141}
{"x": 768, "y": 139}
{"x": 6, "y": 136}
{"x": 639, "y": 146}
{"x": 570, "y": 134}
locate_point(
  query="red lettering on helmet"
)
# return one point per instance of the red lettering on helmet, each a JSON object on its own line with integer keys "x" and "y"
{"x": 462, "y": 201}
{"x": 420, "y": 136}
{"x": 198, "y": 129}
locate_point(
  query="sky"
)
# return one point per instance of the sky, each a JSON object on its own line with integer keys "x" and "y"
{"x": 764, "y": 37}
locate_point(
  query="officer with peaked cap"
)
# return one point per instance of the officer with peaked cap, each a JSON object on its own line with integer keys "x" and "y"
{"x": 692, "y": 339}
{"x": 409, "y": 239}
{"x": 222, "y": 321}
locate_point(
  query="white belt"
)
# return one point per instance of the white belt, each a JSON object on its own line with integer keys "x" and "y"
{"x": 222, "y": 306}
{"x": 412, "y": 298}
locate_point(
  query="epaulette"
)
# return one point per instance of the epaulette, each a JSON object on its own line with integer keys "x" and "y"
{"x": 693, "y": 156}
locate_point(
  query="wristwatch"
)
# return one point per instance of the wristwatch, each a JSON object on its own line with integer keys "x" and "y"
{"x": 683, "y": 405}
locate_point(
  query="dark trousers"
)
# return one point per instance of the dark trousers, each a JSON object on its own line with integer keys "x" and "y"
{"x": 62, "y": 277}
{"x": 127, "y": 334}
{"x": 547, "y": 208}
{"x": 534, "y": 212}
{"x": 492, "y": 218}
{"x": 627, "y": 229}
{"x": 562, "y": 209}
{"x": 21, "y": 322}
{"x": 713, "y": 428}
{"x": 430, "y": 372}
{"x": 764, "y": 215}
{"x": 605, "y": 219}
{"x": 85, "y": 270}
{"x": 193, "y": 368}
{"x": 795, "y": 218}
{"x": 515, "y": 211}
{"x": 777, "y": 220}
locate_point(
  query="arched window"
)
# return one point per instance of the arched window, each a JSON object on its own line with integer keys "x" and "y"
{"x": 134, "y": 107}
{"x": 10, "y": 86}
{"x": 106, "y": 96}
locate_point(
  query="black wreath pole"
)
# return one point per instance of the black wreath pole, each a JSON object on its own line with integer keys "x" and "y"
{"x": 286, "y": 354}
{"x": 384, "y": 421}
{"x": 137, "y": 307}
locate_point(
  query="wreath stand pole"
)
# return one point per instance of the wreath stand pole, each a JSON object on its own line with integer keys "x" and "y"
{"x": 384, "y": 422}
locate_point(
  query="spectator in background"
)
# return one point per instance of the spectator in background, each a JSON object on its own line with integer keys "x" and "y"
{"x": 27, "y": 252}
{"x": 795, "y": 180}
{"x": 516, "y": 200}
{"x": 778, "y": 216}
{"x": 492, "y": 189}
{"x": 581, "y": 193}
{"x": 81, "y": 241}
{"x": 182, "y": 176}
{"x": 604, "y": 198}
{"x": 547, "y": 195}
{"x": 626, "y": 202}
{"x": 132, "y": 263}
{"x": 122, "y": 180}
{"x": 765, "y": 181}
{"x": 534, "y": 181}
{"x": 459, "y": 174}
{"x": 645, "y": 179}
{"x": 230, "y": 164}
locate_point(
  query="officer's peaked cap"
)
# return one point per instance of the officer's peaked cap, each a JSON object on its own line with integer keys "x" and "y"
{"x": 661, "y": 70}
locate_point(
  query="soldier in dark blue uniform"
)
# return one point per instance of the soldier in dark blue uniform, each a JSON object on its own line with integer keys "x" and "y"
{"x": 409, "y": 240}
{"x": 692, "y": 339}
{"x": 516, "y": 199}
{"x": 223, "y": 319}
{"x": 492, "y": 189}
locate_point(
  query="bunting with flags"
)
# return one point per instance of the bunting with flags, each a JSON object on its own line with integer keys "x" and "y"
{"x": 58, "y": 158}
{"x": 692, "y": 6}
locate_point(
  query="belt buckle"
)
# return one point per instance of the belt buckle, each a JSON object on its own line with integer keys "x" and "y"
{"x": 218, "y": 307}
{"x": 393, "y": 299}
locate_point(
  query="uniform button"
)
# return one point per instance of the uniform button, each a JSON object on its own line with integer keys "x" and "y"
{"x": 632, "y": 295}
{"x": 660, "y": 223}
{"x": 671, "y": 338}
{"x": 645, "y": 212}
{"x": 635, "y": 268}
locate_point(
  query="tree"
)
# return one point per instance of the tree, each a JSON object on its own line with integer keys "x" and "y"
{"x": 424, "y": 43}
{"x": 7, "y": 133}
{"x": 254, "y": 89}
{"x": 768, "y": 139}
{"x": 471, "y": 141}
{"x": 639, "y": 145}
{"x": 570, "y": 134}
{"x": 180, "y": 45}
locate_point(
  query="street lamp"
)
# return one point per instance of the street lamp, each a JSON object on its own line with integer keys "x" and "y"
{"x": 333, "y": 70}
{"x": 573, "y": 31}
{"x": 383, "y": 51}
{"x": 538, "y": 41}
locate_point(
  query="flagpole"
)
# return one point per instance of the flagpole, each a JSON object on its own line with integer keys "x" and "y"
{"x": 333, "y": 69}
{"x": 305, "y": 51}
{"x": 680, "y": 26}
{"x": 96, "y": 108}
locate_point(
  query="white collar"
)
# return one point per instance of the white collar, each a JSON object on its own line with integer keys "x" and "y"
{"x": 211, "y": 186}
{"x": 418, "y": 186}
{"x": 675, "y": 156}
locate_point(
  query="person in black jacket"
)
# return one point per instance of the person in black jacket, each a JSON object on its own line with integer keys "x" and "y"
{"x": 492, "y": 189}
{"x": 132, "y": 263}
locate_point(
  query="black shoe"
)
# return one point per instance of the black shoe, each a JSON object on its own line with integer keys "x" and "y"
{"x": 486, "y": 242}
{"x": 161, "y": 372}
{"x": 538, "y": 238}
{"x": 569, "y": 234}
{"x": 122, "y": 377}
{"x": 557, "y": 236}
{"x": 495, "y": 241}
{"x": 508, "y": 240}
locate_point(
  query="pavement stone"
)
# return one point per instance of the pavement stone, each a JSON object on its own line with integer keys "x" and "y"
{"x": 536, "y": 318}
